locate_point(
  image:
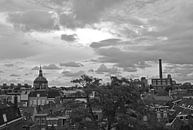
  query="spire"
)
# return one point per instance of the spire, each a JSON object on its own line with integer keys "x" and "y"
{"x": 40, "y": 71}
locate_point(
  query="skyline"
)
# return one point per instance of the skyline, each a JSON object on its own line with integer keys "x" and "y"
{"x": 95, "y": 37}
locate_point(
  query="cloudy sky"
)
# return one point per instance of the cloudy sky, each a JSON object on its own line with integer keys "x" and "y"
{"x": 69, "y": 38}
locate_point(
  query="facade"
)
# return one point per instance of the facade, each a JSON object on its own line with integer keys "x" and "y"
{"x": 164, "y": 82}
{"x": 14, "y": 88}
{"x": 160, "y": 84}
{"x": 144, "y": 82}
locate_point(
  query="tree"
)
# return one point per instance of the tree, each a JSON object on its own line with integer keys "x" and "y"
{"x": 119, "y": 101}
{"x": 121, "y": 104}
{"x": 88, "y": 84}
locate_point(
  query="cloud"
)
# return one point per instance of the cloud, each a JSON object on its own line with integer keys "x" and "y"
{"x": 68, "y": 38}
{"x": 185, "y": 69}
{"x": 130, "y": 69}
{"x": 71, "y": 64}
{"x": 9, "y": 65}
{"x": 17, "y": 50}
{"x": 180, "y": 72}
{"x": 73, "y": 74}
{"x": 36, "y": 68}
{"x": 14, "y": 75}
{"x": 47, "y": 67}
{"x": 59, "y": 2}
{"x": 18, "y": 5}
{"x": 1, "y": 71}
{"x": 85, "y": 12}
{"x": 105, "y": 43}
{"x": 158, "y": 34}
{"x": 88, "y": 11}
{"x": 33, "y": 20}
{"x": 125, "y": 59}
{"x": 68, "y": 21}
{"x": 12, "y": 44}
{"x": 104, "y": 69}
{"x": 140, "y": 31}
{"x": 91, "y": 70}
{"x": 51, "y": 67}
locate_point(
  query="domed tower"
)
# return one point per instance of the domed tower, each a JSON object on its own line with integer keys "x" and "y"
{"x": 40, "y": 83}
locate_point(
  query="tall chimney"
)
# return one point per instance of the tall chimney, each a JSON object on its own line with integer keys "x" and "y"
{"x": 160, "y": 69}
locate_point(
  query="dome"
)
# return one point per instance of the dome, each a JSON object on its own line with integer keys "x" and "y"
{"x": 40, "y": 82}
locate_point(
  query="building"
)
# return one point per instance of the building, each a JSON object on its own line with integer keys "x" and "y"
{"x": 10, "y": 117}
{"x": 41, "y": 93}
{"x": 40, "y": 83}
{"x": 161, "y": 83}
{"x": 14, "y": 88}
{"x": 144, "y": 82}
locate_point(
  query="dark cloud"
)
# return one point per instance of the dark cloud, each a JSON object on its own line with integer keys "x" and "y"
{"x": 1, "y": 71}
{"x": 68, "y": 38}
{"x": 14, "y": 75}
{"x": 173, "y": 50}
{"x": 105, "y": 43}
{"x": 71, "y": 64}
{"x": 69, "y": 21}
{"x": 89, "y": 10}
{"x": 33, "y": 20}
{"x": 157, "y": 35}
{"x": 125, "y": 59}
{"x": 73, "y": 74}
{"x": 18, "y": 5}
{"x": 9, "y": 65}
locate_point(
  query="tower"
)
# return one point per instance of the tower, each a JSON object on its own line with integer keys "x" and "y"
{"x": 160, "y": 69}
{"x": 40, "y": 83}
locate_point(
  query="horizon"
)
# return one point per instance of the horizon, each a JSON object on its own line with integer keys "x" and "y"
{"x": 99, "y": 38}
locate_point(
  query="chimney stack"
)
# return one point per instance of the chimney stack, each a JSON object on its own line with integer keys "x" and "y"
{"x": 15, "y": 101}
{"x": 160, "y": 69}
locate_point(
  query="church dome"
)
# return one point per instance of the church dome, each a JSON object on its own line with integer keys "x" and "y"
{"x": 40, "y": 79}
{"x": 40, "y": 82}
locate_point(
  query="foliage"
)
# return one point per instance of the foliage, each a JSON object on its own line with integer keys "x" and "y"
{"x": 119, "y": 101}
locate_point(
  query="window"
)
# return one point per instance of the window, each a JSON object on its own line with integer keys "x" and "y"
{"x": 39, "y": 101}
{"x": 34, "y": 102}
{"x": 37, "y": 120}
{"x": 43, "y": 101}
{"x": 43, "y": 121}
{"x": 31, "y": 102}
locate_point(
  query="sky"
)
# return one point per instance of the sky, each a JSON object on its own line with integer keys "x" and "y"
{"x": 100, "y": 38}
